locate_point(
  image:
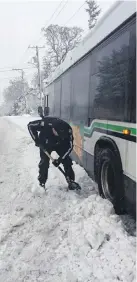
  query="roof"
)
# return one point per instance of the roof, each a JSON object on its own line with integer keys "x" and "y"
{"x": 114, "y": 17}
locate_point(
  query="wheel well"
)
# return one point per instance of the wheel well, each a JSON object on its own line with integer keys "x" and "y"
{"x": 103, "y": 143}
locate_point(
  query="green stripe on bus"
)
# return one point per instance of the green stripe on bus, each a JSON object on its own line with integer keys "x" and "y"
{"x": 118, "y": 128}
{"x": 88, "y": 130}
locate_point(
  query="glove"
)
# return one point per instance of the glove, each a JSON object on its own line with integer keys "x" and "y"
{"x": 37, "y": 144}
{"x": 57, "y": 162}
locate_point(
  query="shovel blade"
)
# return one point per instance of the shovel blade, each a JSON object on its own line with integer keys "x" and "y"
{"x": 74, "y": 186}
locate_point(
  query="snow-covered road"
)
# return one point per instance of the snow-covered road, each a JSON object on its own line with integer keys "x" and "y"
{"x": 55, "y": 236}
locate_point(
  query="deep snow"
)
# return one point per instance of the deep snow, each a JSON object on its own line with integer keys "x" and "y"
{"x": 58, "y": 235}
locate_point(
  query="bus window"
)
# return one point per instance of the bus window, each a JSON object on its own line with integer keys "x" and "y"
{"x": 66, "y": 96}
{"x": 109, "y": 82}
{"x": 80, "y": 77}
{"x": 132, "y": 75}
{"x": 46, "y": 98}
{"x": 57, "y": 98}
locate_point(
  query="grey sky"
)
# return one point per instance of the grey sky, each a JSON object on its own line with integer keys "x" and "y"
{"x": 20, "y": 25}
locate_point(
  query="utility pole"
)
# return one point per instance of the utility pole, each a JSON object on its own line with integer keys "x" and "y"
{"x": 23, "y": 90}
{"x": 38, "y": 67}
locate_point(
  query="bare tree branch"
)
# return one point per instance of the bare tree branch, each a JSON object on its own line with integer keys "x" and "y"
{"x": 60, "y": 40}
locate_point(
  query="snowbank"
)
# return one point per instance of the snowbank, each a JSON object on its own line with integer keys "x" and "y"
{"x": 22, "y": 121}
{"x": 55, "y": 236}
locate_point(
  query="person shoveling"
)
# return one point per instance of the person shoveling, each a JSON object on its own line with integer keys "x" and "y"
{"x": 53, "y": 134}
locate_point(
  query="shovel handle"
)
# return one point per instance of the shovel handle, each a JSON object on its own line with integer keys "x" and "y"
{"x": 67, "y": 178}
{"x": 49, "y": 156}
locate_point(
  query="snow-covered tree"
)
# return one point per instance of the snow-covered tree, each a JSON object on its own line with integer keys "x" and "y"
{"x": 15, "y": 99}
{"x": 93, "y": 11}
{"x": 60, "y": 40}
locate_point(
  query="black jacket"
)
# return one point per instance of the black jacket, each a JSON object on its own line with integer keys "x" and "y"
{"x": 51, "y": 132}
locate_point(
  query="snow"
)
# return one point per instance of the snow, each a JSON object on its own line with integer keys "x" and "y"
{"x": 22, "y": 121}
{"x": 58, "y": 235}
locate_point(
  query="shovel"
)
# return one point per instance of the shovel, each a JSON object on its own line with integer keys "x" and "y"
{"x": 72, "y": 185}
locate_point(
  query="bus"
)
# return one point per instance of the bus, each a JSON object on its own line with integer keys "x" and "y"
{"x": 94, "y": 89}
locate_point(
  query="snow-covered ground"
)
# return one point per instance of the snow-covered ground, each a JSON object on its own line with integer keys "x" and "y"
{"x": 22, "y": 121}
{"x": 55, "y": 236}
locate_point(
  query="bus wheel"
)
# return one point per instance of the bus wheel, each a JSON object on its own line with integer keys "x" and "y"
{"x": 110, "y": 179}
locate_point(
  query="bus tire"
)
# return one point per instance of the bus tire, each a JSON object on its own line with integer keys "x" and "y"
{"x": 110, "y": 179}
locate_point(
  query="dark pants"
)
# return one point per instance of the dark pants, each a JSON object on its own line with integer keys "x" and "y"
{"x": 44, "y": 165}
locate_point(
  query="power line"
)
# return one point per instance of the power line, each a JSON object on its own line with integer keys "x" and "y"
{"x": 8, "y": 67}
{"x": 5, "y": 70}
{"x": 74, "y": 14}
{"x": 61, "y": 10}
{"x": 56, "y": 15}
{"x": 40, "y": 32}
{"x": 47, "y": 23}
{"x": 17, "y": 76}
{"x": 8, "y": 70}
{"x": 12, "y": 69}
{"x": 12, "y": 77}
